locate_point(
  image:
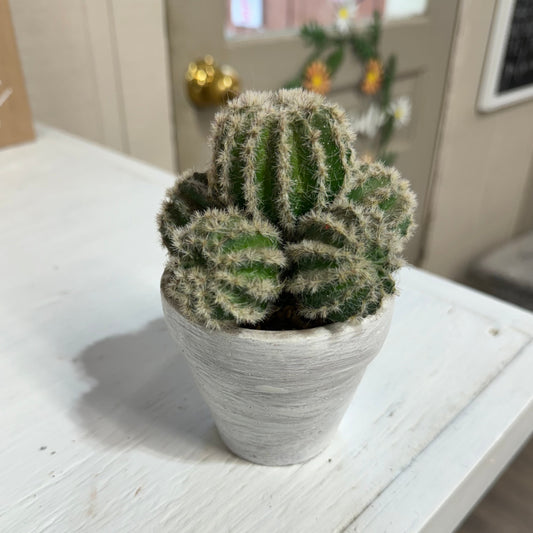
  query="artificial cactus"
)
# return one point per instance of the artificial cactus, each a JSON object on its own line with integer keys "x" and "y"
{"x": 336, "y": 273}
{"x": 281, "y": 154}
{"x": 187, "y": 196}
{"x": 380, "y": 208}
{"x": 369, "y": 222}
{"x": 332, "y": 283}
{"x": 286, "y": 218}
{"x": 381, "y": 190}
{"x": 226, "y": 268}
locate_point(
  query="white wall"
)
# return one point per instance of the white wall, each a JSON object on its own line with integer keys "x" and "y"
{"x": 99, "y": 69}
{"x": 483, "y": 192}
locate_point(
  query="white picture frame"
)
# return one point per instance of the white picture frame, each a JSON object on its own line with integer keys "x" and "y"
{"x": 489, "y": 98}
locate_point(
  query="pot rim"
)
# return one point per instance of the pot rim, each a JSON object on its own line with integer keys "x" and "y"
{"x": 336, "y": 328}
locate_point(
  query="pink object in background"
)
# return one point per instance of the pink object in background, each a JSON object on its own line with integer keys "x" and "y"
{"x": 314, "y": 11}
{"x": 278, "y": 14}
{"x": 247, "y": 13}
{"x": 288, "y": 14}
{"x": 367, "y": 7}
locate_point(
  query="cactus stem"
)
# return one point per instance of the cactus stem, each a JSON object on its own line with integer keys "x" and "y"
{"x": 250, "y": 185}
{"x": 284, "y": 171}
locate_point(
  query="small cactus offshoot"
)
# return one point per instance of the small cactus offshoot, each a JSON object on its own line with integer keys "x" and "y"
{"x": 226, "y": 268}
{"x": 187, "y": 196}
{"x": 286, "y": 221}
{"x": 380, "y": 189}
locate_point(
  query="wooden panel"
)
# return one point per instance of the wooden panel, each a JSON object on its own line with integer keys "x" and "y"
{"x": 98, "y": 69}
{"x": 484, "y": 162}
{"x": 525, "y": 218}
{"x": 186, "y": 19}
{"x": 57, "y": 60}
{"x": 15, "y": 116}
{"x": 144, "y": 79}
{"x": 107, "y": 79}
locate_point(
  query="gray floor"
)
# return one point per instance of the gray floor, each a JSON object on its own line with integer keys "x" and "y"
{"x": 508, "y": 506}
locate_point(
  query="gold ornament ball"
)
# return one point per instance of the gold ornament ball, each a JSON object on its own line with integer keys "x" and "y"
{"x": 225, "y": 85}
{"x": 210, "y": 85}
{"x": 199, "y": 76}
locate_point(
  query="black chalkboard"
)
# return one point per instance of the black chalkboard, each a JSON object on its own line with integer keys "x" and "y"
{"x": 517, "y": 65}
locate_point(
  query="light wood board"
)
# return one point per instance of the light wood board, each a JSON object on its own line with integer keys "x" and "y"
{"x": 104, "y": 430}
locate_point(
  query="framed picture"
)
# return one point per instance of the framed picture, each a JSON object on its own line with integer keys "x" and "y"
{"x": 508, "y": 70}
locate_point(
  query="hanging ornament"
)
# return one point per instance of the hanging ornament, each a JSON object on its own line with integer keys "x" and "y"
{"x": 200, "y": 74}
{"x": 211, "y": 85}
{"x": 317, "y": 78}
{"x": 225, "y": 85}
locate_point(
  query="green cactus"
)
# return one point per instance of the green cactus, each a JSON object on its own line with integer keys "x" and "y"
{"x": 280, "y": 154}
{"x": 340, "y": 268}
{"x": 187, "y": 196}
{"x": 226, "y": 269}
{"x": 285, "y": 221}
{"x": 331, "y": 283}
{"x": 370, "y": 222}
{"x": 380, "y": 189}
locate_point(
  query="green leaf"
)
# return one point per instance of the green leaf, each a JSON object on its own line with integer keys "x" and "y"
{"x": 386, "y": 131}
{"x": 362, "y": 48}
{"x": 314, "y": 35}
{"x": 388, "y": 78}
{"x": 334, "y": 60}
{"x": 374, "y": 31}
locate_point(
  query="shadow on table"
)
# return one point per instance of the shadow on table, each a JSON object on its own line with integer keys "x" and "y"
{"x": 144, "y": 395}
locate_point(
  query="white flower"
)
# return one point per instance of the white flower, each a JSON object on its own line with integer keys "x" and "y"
{"x": 345, "y": 13}
{"x": 400, "y": 109}
{"x": 369, "y": 122}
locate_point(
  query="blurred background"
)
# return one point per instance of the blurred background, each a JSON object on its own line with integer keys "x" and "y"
{"x": 114, "y": 72}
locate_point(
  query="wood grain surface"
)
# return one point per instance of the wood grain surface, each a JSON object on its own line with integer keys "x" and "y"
{"x": 104, "y": 430}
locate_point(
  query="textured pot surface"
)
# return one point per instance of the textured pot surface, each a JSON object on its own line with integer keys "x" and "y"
{"x": 277, "y": 397}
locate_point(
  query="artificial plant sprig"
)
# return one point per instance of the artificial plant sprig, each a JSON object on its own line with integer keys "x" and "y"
{"x": 329, "y": 48}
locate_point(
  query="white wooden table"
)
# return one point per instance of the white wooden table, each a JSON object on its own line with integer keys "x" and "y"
{"x": 103, "y": 430}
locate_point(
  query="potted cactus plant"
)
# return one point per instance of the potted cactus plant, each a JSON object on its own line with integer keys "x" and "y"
{"x": 280, "y": 276}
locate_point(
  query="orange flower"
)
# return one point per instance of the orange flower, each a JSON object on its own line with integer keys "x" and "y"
{"x": 317, "y": 78}
{"x": 373, "y": 77}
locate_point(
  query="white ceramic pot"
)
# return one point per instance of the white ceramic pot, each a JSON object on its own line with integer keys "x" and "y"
{"x": 277, "y": 397}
